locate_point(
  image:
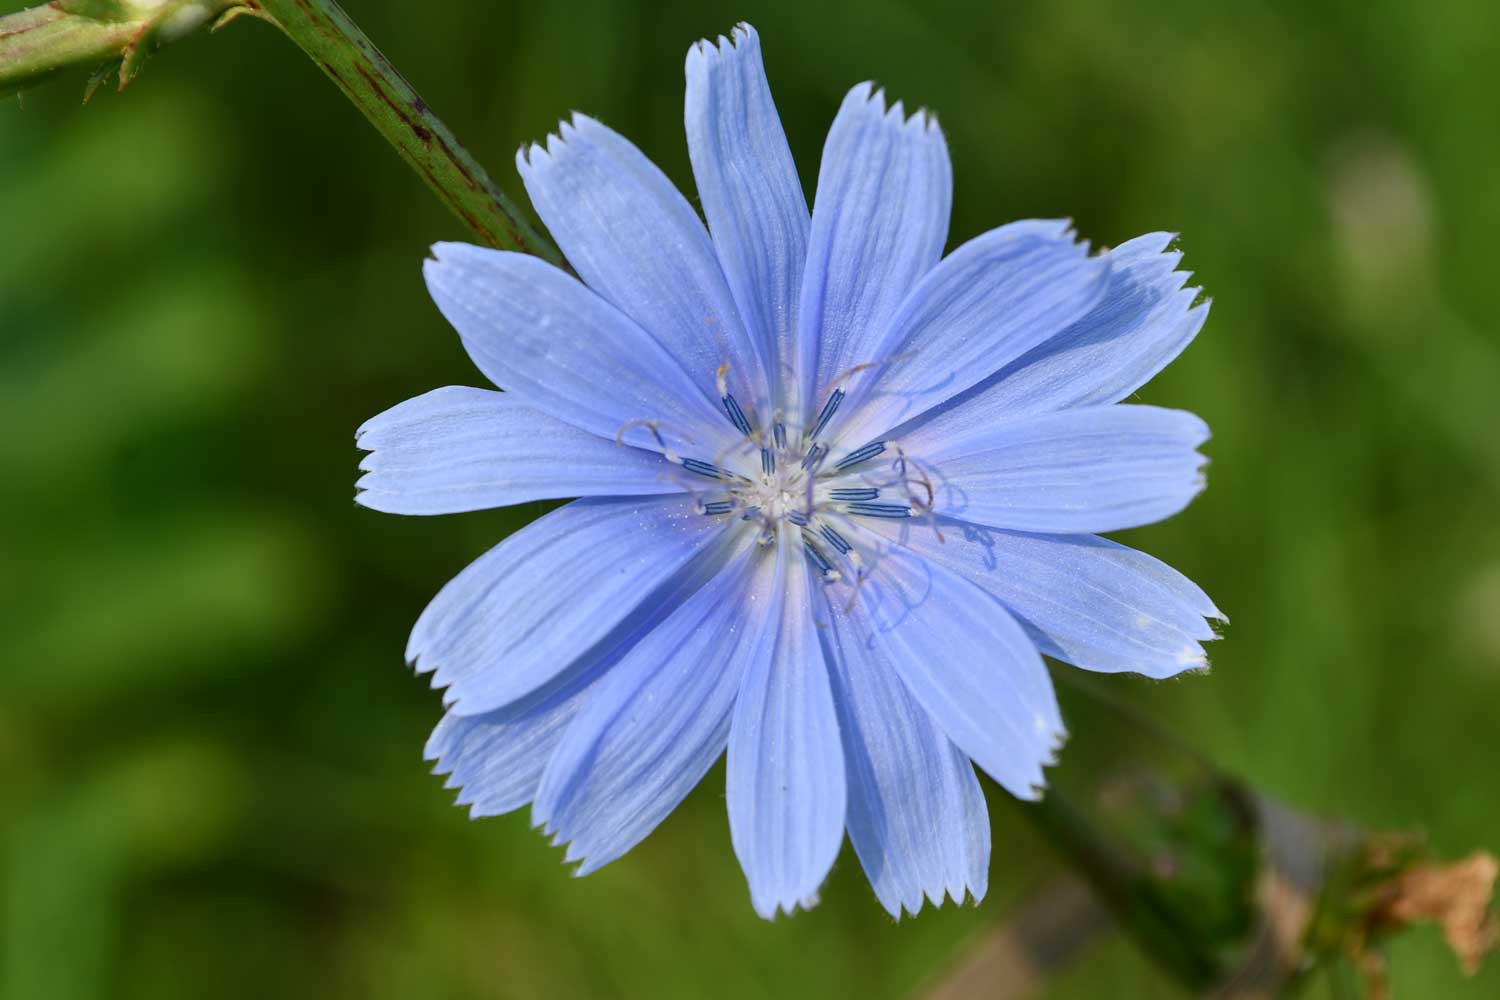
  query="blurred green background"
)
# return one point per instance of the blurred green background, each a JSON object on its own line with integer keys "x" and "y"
{"x": 210, "y": 772}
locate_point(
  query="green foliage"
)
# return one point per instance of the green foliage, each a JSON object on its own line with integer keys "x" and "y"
{"x": 210, "y": 774}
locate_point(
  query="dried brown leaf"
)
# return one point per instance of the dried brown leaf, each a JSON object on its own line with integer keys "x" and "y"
{"x": 1455, "y": 896}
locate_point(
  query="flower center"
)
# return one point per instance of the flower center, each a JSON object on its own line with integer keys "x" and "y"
{"x": 780, "y": 493}
{"x": 778, "y": 478}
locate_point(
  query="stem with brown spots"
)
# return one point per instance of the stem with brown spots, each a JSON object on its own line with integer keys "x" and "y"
{"x": 367, "y": 78}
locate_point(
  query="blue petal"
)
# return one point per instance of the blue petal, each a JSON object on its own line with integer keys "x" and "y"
{"x": 1099, "y": 468}
{"x": 526, "y": 611}
{"x": 457, "y": 449}
{"x": 497, "y": 759}
{"x": 986, "y": 304}
{"x": 786, "y": 768}
{"x": 749, "y": 188}
{"x": 1144, "y": 320}
{"x": 660, "y": 718}
{"x": 879, "y": 223}
{"x": 916, "y": 812}
{"x": 634, "y": 239}
{"x": 563, "y": 350}
{"x": 1086, "y": 600}
{"x": 966, "y": 661}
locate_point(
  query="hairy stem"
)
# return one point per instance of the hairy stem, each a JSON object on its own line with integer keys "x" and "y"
{"x": 42, "y": 41}
{"x": 333, "y": 41}
{"x": 117, "y": 36}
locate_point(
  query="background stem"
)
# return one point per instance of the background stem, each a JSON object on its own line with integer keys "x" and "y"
{"x": 397, "y": 111}
{"x": 1127, "y": 891}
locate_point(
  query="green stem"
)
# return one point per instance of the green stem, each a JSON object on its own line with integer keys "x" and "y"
{"x": 104, "y": 34}
{"x": 42, "y": 41}
{"x": 368, "y": 79}
{"x": 36, "y": 43}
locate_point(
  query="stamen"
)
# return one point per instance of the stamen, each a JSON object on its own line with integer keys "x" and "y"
{"x": 860, "y": 493}
{"x": 848, "y": 373}
{"x": 705, "y": 469}
{"x": 751, "y": 513}
{"x": 864, "y": 454}
{"x": 650, "y": 425}
{"x": 829, "y": 408}
{"x": 779, "y": 432}
{"x": 736, "y": 415}
{"x": 810, "y": 546}
{"x": 879, "y": 509}
{"x": 718, "y": 507}
{"x": 835, "y": 539}
{"x": 814, "y": 457}
{"x": 767, "y": 461}
{"x": 797, "y": 517}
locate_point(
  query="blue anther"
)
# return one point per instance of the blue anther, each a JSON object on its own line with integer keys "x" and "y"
{"x": 810, "y": 545}
{"x": 797, "y": 517}
{"x": 864, "y": 454}
{"x": 779, "y": 431}
{"x": 829, "y": 408}
{"x": 879, "y": 509}
{"x": 814, "y": 457}
{"x": 736, "y": 415}
{"x": 718, "y": 507}
{"x": 851, "y": 493}
{"x": 767, "y": 461}
{"x": 835, "y": 539}
{"x": 704, "y": 468}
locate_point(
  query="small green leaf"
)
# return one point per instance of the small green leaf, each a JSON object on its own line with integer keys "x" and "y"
{"x": 134, "y": 57}
{"x": 97, "y": 78}
{"x": 232, "y": 13}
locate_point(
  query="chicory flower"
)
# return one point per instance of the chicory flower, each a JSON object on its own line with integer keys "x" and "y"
{"x": 839, "y": 494}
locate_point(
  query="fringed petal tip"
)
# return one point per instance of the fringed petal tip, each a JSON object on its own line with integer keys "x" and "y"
{"x": 436, "y": 251}
{"x": 1152, "y": 259}
{"x": 534, "y": 156}
{"x": 1065, "y": 229}
{"x": 868, "y": 101}
{"x": 1192, "y": 660}
{"x": 1044, "y": 753}
{"x": 958, "y": 895}
{"x": 1054, "y": 736}
{"x": 575, "y": 855}
{"x": 439, "y": 745}
{"x": 420, "y": 661}
{"x": 445, "y": 757}
{"x": 1061, "y": 230}
{"x": 580, "y": 859}
{"x": 742, "y": 41}
{"x": 770, "y": 909}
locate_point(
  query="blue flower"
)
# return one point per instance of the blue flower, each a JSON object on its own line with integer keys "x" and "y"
{"x": 840, "y": 495}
